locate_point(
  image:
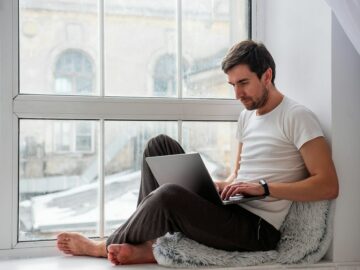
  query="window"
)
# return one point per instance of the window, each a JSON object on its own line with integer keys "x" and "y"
{"x": 84, "y": 140}
{"x": 57, "y": 186}
{"x": 97, "y": 80}
{"x": 62, "y": 135}
{"x": 124, "y": 145}
{"x": 165, "y": 76}
{"x": 73, "y": 136}
{"x": 74, "y": 73}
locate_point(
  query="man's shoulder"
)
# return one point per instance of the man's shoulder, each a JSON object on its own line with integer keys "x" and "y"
{"x": 301, "y": 124}
{"x": 295, "y": 109}
{"x": 297, "y": 117}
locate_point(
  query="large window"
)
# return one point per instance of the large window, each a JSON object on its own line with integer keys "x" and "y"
{"x": 97, "y": 80}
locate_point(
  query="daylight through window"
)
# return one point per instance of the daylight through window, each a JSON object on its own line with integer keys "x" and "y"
{"x": 97, "y": 80}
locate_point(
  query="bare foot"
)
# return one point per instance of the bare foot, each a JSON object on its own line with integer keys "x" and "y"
{"x": 131, "y": 254}
{"x": 79, "y": 245}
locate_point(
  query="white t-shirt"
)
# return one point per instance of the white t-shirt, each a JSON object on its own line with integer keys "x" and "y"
{"x": 270, "y": 151}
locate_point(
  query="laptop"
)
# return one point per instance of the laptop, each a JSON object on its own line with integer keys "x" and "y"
{"x": 189, "y": 171}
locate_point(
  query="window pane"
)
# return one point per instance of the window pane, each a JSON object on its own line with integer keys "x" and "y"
{"x": 216, "y": 143}
{"x": 58, "y": 187}
{"x": 209, "y": 29}
{"x": 124, "y": 145}
{"x": 84, "y": 136}
{"x": 58, "y": 47}
{"x": 140, "y": 42}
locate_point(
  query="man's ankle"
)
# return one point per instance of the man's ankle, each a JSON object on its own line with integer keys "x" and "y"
{"x": 100, "y": 250}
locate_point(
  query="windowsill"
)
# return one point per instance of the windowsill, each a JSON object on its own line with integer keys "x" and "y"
{"x": 72, "y": 263}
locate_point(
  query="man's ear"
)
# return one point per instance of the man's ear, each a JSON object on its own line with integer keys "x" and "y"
{"x": 267, "y": 76}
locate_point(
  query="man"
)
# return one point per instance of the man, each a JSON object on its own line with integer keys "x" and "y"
{"x": 280, "y": 143}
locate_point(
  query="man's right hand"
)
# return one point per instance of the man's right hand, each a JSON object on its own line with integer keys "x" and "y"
{"x": 220, "y": 185}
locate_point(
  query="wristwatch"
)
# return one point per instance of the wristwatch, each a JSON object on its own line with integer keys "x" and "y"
{"x": 265, "y": 186}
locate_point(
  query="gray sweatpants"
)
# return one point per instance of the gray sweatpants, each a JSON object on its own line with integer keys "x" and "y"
{"x": 171, "y": 208}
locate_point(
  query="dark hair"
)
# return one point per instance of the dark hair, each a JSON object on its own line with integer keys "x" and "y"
{"x": 248, "y": 52}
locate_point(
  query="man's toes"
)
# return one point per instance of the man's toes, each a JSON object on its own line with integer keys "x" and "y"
{"x": 115, "y": 261}
{"x": 63, "y": 246}
{"x": 114, "y": 248}
{"x": 112, "y": 258}
{"x": 110, "y": 249}
{"x": 63, "y": 237}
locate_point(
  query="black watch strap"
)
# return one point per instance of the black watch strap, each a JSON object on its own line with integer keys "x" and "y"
{"x": 265, "y": 186}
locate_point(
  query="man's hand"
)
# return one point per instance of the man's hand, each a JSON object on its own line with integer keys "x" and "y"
{"x": 244, "y": 188}
{"x": 220, "y": 185}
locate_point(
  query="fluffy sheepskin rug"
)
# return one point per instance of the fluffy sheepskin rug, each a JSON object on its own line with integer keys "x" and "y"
{"x": 305, "y": 237}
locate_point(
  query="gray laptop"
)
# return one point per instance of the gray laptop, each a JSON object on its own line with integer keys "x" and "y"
{"x": 189, "y": 171}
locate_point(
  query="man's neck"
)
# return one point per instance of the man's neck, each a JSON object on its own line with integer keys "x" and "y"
{"x": 274, "y": 99}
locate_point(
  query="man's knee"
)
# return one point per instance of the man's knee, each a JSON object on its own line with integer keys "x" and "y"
{"x": 156, "y": 145}
{"x": 169, "y": 195}
{"x": 159, "y": 139}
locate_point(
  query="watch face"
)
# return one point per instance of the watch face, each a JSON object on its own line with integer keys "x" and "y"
{"x": 265, "y": 186}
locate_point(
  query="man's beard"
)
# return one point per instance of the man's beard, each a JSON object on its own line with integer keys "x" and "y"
{"x": 260, "y": 102}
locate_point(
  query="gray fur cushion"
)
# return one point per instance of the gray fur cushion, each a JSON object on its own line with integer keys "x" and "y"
{"x": 305, "y": 237}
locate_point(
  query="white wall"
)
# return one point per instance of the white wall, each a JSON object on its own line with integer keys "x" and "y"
{"x": 318, "y": 67}
{"x": 346, "y": 144}
{"x": 298, "y": 34}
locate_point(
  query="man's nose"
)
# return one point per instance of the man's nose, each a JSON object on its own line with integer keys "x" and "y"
{"x": 238, "y": 92}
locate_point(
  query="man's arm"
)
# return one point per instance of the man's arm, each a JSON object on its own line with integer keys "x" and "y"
{"x": 322, "y": 183}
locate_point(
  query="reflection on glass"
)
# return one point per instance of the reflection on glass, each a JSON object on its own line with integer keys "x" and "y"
{"x": 58, "y": 47}
{"x": 209, "y": 29}
{"x": 216, "y": 143}
{"x": 124, "y": 145}
{"x": 140, "y": 47}
{"x": 58, "y": 173}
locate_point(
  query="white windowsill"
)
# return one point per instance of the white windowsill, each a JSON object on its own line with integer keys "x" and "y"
{"x": 75, "y": 263}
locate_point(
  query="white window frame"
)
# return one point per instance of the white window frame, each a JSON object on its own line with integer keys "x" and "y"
{"x": 14, "y": 107}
